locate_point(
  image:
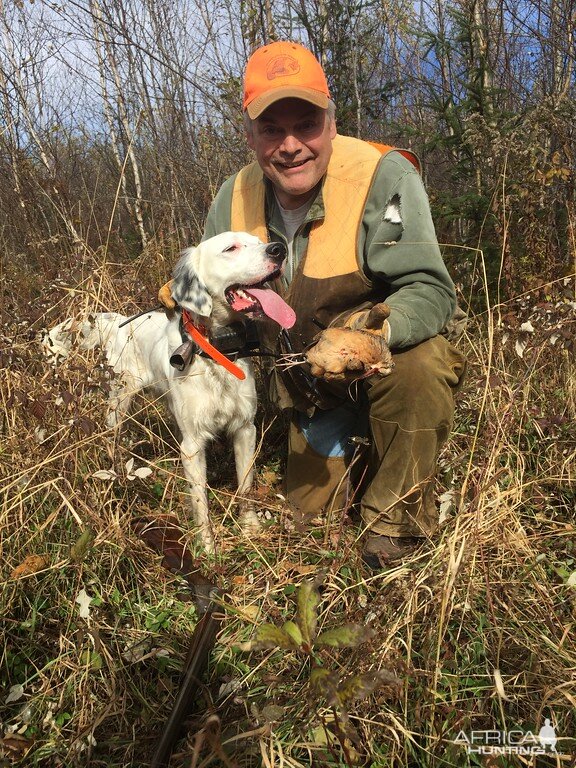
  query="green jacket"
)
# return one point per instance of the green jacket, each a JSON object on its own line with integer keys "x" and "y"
{"x": 402, "y": 259}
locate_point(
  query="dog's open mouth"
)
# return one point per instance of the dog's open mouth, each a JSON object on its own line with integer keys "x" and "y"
{"x": 257, "y": 300}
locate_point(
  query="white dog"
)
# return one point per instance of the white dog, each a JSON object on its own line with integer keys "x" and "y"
{"x": 217, "y": 283}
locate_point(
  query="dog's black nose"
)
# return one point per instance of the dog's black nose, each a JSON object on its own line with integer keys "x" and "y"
{"x": 277, "y": 251}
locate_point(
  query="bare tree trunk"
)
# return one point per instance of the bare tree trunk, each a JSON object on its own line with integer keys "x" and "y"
{"x": 480, "y": 59}
{"x": 12, "y": 139}
{"x": 562, "y": 22}
{"x": 107, "y": 58}
{"x": 22, "y": 97}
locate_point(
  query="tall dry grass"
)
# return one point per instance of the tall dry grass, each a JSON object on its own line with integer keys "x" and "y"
{"x": 478, "y": 627}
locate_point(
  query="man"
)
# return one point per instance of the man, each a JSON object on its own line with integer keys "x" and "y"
{"x": 357, "y": 224}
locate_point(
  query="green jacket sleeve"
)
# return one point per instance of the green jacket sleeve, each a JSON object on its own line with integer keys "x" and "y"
{"x": 401, "y": 250}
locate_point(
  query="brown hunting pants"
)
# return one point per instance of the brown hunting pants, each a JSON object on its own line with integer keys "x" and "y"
{"x": 409, "y": 416}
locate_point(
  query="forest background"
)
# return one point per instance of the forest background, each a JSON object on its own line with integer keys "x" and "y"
{"x": 119, "y": 119}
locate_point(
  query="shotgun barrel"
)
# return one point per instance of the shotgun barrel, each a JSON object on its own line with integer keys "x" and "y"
{"x": 203, "y": 639}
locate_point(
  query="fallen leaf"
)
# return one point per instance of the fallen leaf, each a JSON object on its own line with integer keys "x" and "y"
{"x": 104, "y": 474}
{"x": 142, "y": 472}
{"x": 245, "y": 647}
{"x": 272, "y": 713}
{"x": 300, "y": 568}
{"x": 261, "y": 492}
{"x": 40, "y": 434}
{"x": 84, "y": 601}
{"x": 79, "y": 549}
{"x": 132, "y": 473}
{"x": 30, "y": 564}
{"x": 250, "y": 612}
{"x": 446, "y": 502}
{"x": 269, "y": 477}
{"x": 37, "y": 408}
{"x": 499, "y": 683}
{"x": 91, "y": 659}
{"x": 520, "y": 346}
{"x": 16, "y": 693}
{"x": 15, "y": 746}
{"x": 86, "y": 426}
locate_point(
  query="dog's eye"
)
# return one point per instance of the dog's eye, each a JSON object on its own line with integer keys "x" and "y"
{"x": 230, "y": 248}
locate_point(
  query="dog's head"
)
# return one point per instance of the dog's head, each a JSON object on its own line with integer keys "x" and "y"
{"x": 232, "y": 268}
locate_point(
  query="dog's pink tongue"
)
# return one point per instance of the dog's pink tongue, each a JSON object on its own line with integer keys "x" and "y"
{"x": 273, "y": 306}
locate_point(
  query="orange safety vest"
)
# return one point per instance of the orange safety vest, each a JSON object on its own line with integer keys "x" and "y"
{"x": 333, "y": 241}
{"x": 330, "y": 280}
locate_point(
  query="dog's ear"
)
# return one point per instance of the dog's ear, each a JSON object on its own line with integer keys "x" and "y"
{"x": 188, "y": 289}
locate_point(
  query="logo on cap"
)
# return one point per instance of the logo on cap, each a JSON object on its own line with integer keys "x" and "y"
{"x": 282, "y": 66}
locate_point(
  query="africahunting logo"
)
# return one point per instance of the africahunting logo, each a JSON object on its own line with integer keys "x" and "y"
{"x": 513, "y": 742}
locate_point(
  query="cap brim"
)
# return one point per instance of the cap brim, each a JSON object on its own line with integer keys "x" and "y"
{"x": 261, "y": 103}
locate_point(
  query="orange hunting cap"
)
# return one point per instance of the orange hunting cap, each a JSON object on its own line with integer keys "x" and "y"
{"x": 280, "y": 71}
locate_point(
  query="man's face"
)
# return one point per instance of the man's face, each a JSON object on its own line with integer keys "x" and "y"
{"x": 292, "y": 140}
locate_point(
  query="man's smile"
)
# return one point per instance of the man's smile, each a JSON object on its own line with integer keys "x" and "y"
{"x": 294, "y": 164}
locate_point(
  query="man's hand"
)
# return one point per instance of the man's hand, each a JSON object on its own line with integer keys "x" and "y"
{"x": 341, "y": 353}
{"x": 165, "y": 296}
